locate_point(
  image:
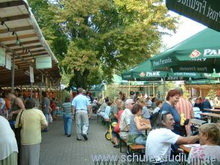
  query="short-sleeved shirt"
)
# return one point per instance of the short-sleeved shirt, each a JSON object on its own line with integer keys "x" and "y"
{"x": 67, "y": 108}
{"x": 158, "y": 144}
{"x": 80, "y": 103}
{"x": 124, "y": 122}
{"x": 205, "y": 153}
{"x": 31, "y": 122}
{"x": 176, "y": 116}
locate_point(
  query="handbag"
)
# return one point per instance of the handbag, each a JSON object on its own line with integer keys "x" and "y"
{"x": 18, "y": 130}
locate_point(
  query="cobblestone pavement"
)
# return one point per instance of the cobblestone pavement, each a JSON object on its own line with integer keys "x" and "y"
{"x": 57, "y": 149}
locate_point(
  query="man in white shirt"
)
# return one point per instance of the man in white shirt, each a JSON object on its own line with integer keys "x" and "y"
{"x": 159, "y": 140}
{"x": 125, "y": 119}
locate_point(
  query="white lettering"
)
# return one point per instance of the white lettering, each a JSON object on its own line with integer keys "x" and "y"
{"x": 210, "y": 52}
{"x": 162, "y": 61}
{"x": 212, "y": 14}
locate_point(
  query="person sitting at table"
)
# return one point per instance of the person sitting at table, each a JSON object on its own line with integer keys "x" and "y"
{"x": 207, "y": 104}
{"x": 137, "y": 126}
{"x": 198, "y": 104}
{"x": 159, "y": 140}
{"x": 209, "y": 150}
{"x": 159, "y": 104}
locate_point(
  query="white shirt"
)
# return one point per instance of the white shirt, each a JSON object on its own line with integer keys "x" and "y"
{"x": 207, "y": 154}
{"x": 124, "y": 122}
{"x": 158, "y": 144}
{"x": 8, "y": 142}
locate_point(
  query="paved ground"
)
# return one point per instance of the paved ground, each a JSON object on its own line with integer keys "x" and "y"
{"x": 57, "y": 149}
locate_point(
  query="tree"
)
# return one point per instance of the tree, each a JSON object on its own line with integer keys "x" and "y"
{"x": 105, "y": 36}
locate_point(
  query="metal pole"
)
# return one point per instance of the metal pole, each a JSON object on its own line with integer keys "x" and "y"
{"x": 13, "y": 74}
{"x": 31, "y": 90}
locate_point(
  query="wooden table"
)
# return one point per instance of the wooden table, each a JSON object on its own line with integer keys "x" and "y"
{"x": 213, "y": 110}
{"x": 197, "y": 122}
{"x": 210, "y": 115}
{"x": 187, "y": 147}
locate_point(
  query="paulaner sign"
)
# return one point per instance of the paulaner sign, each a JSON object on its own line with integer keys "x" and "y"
{"x": 206, "y": 12}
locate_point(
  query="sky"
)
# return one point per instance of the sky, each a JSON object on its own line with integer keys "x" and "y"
{"x": 187, "y": 28}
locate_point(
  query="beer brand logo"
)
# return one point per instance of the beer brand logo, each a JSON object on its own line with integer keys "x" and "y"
{"x": 142, "y": 74}
{"x": 195, "y": 54}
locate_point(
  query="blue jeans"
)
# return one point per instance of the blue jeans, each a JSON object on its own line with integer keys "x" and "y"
{"x": 140, "y": 140}
{"x": 67, "y": 120}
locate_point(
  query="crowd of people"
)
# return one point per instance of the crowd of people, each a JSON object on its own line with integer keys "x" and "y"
{"x": 161, "y": 126}
{"x": 22, "y": 120}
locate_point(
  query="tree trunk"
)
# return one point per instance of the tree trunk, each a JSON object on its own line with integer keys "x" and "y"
{"x": 80, "y": 79}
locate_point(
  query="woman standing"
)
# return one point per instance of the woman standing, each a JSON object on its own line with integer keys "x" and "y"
{"x": 8, "y": 149}
{"x": 31, "y": 120}
{"x": 67, "y": 116}
{"x": 171, "y": 100}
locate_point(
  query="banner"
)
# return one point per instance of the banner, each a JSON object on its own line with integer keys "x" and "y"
{"x": 31, "y": 74}
{"x": 206, "y": 12}
{"x": 43, "y": 62}
{"x": 8, "y": 62}
{"x": 2, "y": 57}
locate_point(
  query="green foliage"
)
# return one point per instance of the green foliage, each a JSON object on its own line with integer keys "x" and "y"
{"x": 211, "y": 94}
{"x": 111, "y": 92}
{"x": 95, "y": 38}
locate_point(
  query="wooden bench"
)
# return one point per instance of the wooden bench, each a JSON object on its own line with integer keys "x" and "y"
{"x": 136, "y": 147}
{"x": 132, "y": 148}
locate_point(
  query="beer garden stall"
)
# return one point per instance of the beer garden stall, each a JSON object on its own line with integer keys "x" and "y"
{"x": 26, "y": 60}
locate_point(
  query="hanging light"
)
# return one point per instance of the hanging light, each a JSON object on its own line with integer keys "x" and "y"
{"x": 17, "y": 42}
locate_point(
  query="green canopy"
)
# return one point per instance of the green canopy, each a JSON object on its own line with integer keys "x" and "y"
{"x": 199, "y": 53}
{"x": 204, "y": 11}
{"x": 201, "y": 82}
{"x": 144, "y": 72}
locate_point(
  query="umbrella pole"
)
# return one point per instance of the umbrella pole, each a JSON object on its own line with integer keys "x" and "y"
{"x": 164, "y": 88}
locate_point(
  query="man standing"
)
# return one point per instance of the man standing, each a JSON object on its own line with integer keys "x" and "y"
{"x": 81, "y": 107}
{"x": 183, "y": 106}
{"x": 159, "y": 140}
{"x": 125, "y": 119}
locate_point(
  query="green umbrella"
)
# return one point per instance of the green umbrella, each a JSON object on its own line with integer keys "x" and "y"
{"x": 199, "y": 53}
{"x": 201, "y": 82}
{"x": 204, "y": 11}
{"x": 144, "y": 72}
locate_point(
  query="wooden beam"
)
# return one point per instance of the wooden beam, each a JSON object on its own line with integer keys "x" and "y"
{"x": 23, "y": 43}
{"x": 13, "y": 18}
{"x": 11, "y": 4}
{"x": 24, "y": 56}
{"x": 34, "y": 51}
{"x": 19, "y": 37}
{"x": 29, "y": 48}
{"x": 16, "y": 29}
